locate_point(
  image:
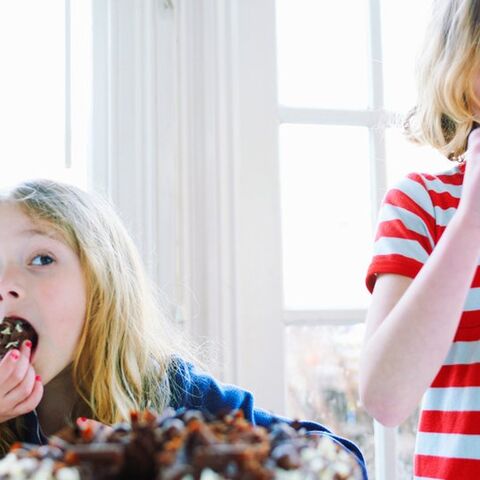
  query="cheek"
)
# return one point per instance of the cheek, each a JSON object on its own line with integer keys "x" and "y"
{"x": 64, "y": 308}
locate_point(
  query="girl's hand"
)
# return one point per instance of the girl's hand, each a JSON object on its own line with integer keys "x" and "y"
{"x": 90, "y": 429}
{"x": 84, "y": 423}
{"x": 469, "y": 206}
{"x": 20, "y": 388}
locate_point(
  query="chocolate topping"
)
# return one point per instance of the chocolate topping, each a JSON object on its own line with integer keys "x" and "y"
{"x": 185, "y": 445}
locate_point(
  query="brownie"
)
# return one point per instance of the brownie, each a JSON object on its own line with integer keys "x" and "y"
{"x": 13, "y": 332}
{"x": 183, "y": 445}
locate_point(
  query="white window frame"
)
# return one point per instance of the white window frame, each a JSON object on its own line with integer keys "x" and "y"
{"x": 376, "y": 119}
{"x": 230, "y": 223}
{"x": 133, "y": 146}
{"x": 232, "y": 138}
{"x": 68, "y": 86}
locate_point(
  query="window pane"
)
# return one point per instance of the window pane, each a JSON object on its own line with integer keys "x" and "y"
{"x": 405, "y": 157}
{"x": 326, "y": 216}
{"x": 322, "y": 382}
{"x": 32, "y": 92}
{"x": 403, "y": 29}
{"x": 320, "y": 49}
{"x": 81, "y": 88}
{"x": 406, "y": 446}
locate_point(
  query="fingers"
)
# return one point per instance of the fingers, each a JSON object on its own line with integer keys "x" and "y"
{"x": 88, "y": 423}
{"x": 90, "y": 428}
{"x": 20, "y": 388}
{"x": 13, "y": 368}
{"x": 7, "y": 365}
{"x": 31, "y": 401}
{"x": 26, "y": 349}
{"x": 22, "y": 366}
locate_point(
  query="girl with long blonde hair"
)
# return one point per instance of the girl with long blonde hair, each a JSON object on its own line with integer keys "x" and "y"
{"x": 69, "y": 268}
{"x": 422, "y": 339}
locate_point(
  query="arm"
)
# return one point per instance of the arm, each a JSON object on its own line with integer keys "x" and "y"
{"x": 411, "y": 325}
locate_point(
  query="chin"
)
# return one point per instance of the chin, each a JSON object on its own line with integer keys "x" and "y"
{"x": 48, "y": 367}
{"x": 46, "y": 373}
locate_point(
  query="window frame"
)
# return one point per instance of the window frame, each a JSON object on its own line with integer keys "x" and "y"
{"x": 220, "y": 251}
{"x": 225, "y": 42}
{"x": 230, "y": 258}
{"x": 133, "y": 138}
{"x": 376, "y": 119}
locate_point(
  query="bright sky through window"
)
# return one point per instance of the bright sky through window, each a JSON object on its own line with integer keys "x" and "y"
{"x": 32, "y": 91}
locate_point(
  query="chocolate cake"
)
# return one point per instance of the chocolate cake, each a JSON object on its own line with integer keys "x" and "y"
{"x": 183, "y": 445}
{"x": 13, "y": 332}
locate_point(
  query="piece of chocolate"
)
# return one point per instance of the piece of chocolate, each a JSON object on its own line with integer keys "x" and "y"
{"x": 13, "y": 332}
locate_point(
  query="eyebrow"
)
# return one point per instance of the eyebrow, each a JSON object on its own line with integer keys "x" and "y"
{"x": 38, "y": 231}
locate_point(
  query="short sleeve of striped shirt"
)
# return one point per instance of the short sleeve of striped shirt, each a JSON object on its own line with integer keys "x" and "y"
{"x": 405, "y": 235}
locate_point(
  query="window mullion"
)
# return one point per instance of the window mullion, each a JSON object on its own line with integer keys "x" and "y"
{"x": 385, "y": 438}
{"x": 68, "y": 90}
{"x": 323, "y": 317}
{"x": 377, "y": 132}
{"x": 362, "y": 118}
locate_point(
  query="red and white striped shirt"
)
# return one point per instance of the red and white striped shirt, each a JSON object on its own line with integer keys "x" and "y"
{"x": 412, "y": 219}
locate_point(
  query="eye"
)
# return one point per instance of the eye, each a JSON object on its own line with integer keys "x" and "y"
{"x": 44, "y": 260}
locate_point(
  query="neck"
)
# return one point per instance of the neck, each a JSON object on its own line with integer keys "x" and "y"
{"x": 60, "y": 404}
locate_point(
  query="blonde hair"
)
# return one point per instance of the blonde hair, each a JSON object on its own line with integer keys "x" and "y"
{"x": 125, "y": 349}
{"x": 446, "y": 69}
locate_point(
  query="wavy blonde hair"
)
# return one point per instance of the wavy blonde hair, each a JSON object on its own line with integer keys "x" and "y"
{"x": 447, "y": 67}
{"x": 126, "y": 345}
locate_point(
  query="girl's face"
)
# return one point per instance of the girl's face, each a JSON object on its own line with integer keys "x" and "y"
{"x": 41, "y": 281}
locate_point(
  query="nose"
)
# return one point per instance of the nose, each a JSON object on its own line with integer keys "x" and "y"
{"x": 10, "y": 288}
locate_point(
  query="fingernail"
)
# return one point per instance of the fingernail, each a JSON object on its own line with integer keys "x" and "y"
{"x": 14, "y": 355}
{"x": 28, "y": 343}
{"x": 38, "y": 378}
{"x": 81, "y": 422}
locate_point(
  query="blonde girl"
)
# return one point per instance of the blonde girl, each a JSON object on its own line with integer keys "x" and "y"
{"x": 117, "y": 341}
{"x": 69, "y": 268}
{"x": 423, "y": 325}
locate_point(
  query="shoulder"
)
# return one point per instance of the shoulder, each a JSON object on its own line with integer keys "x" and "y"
{"x": 179, "y": 379}
{"x": 191, "y": 387}
{"x": 422, "y": 187}
{"x": 431, "y": 197}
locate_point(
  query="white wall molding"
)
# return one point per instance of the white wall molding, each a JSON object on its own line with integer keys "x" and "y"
{"x": 205, "y": 170}
{"x": 185, "y": 122}
{"x": 134, "y": 127}
{"x": 230, "y": 229}
{"x": 259, "y": 245}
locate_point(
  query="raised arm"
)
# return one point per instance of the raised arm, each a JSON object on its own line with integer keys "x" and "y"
{"x": 411, "y": 323}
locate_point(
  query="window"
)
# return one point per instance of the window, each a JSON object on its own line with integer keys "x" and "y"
{"x": 330, "y": 141}
{"x": 44, "y": 90}
{"x": 343, "y": 82}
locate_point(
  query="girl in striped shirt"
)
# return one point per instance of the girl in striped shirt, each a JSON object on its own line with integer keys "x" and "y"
{"x": 423, "y": 326}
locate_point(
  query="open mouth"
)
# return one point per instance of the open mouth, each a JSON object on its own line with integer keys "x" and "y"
{"x": 13, "y": 332}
